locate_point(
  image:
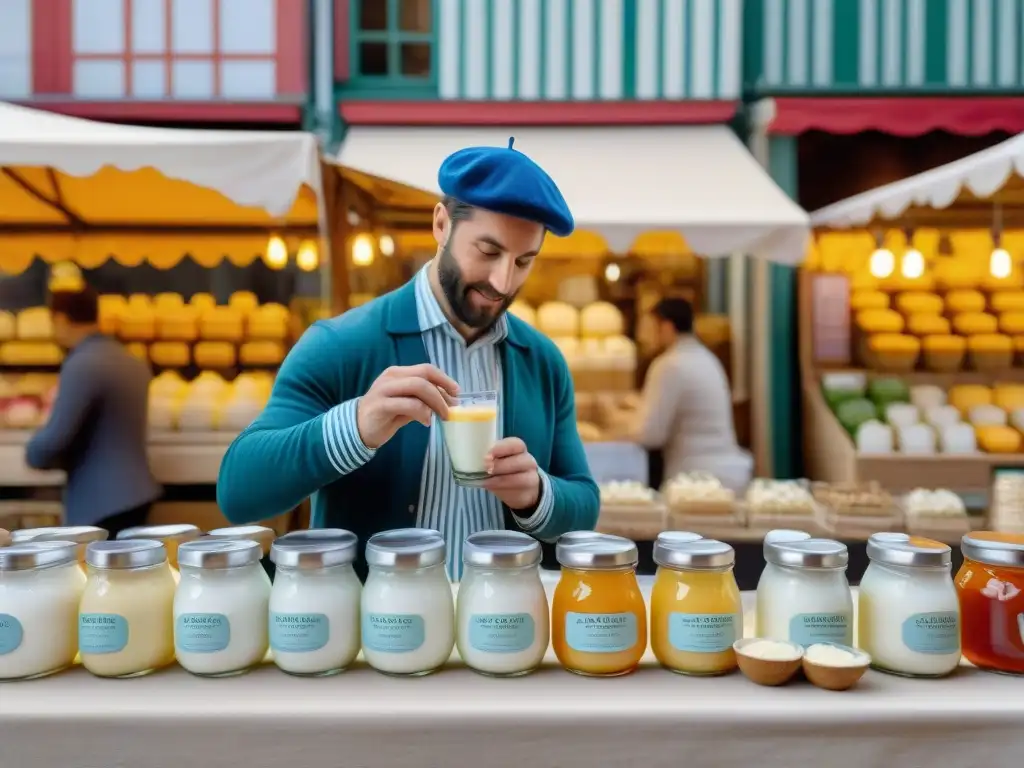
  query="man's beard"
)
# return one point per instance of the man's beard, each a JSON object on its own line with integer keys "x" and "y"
{"x": 456, "y": 292}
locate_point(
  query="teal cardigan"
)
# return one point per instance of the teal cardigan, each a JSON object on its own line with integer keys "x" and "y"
{"x": 281, "y": 458}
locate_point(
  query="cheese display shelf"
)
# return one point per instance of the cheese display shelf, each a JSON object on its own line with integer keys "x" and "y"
{"x": 176, "y": 458}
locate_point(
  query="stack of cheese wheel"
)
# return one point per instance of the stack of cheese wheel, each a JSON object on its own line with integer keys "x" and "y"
{"x": 245, "y": 399}
{"x": 177, "y": 326}
{"x": 33, "y": 345}
{"x": 267, "y": 328}
{"x": 608, "y": 357}
{"x": 111, "y": 308}
{"x": 166, "y": 393}
{"x": 138, "y": 321}
{"x": 201, "y": 407}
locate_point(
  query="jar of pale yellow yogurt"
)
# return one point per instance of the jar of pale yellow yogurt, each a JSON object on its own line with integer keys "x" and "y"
{"x": 696, "y": 609}
{"x": 259, "y": 533}
{"x": 171, "y": 536}
{"x": 126, "y": 618}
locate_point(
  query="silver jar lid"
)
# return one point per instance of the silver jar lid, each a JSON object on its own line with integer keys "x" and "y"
{"x": 406, "y": 548}
{"x": 669, "y": 538}
{"x": 605, "y": 553}
{"x": 994, "y": 548}
{"x": 501, "y": 549}
{"x": 259, "y": 533}
{"x": 179, "y": 532}
{"x": 36, "y": 555}
{"x": 79, "y": 534}
{"x": 318, "y": 535}
{"x": 577, "y": 537}
{"x": 133, "y": 553}
{"x": 913, "y": 551}
{"x": 783, "y": 534}
{"x": 695, "y": 555}
{"x": 807, "y": 553}
{"x": 311, "y": 554}
{"x": 219, "y": 553}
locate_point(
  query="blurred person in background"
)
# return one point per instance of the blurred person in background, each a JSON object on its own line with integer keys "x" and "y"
{"x": 96, "y": 432}
{"x": 686, "y": 405}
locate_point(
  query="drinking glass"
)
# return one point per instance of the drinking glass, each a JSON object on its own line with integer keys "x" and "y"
{"x": 470, "y": 431}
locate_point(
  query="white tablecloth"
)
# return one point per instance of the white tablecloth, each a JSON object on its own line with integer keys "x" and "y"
{"x": 651, "y": 719}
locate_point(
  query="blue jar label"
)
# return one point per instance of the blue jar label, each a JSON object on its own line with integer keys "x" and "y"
{"x": 202, "y": 632}
{"x": 809, "y": 628}
{"x": 102, "y": 632}
{"x": 501, "y": 632}
{"x": 392, "y": 632}
{"x": 937, "y": 632}
{"x": 600, "y": 632}
{"x": 702, "y": 632}
{"x": 11, "y": 633}
{"x": 299, "y": 632}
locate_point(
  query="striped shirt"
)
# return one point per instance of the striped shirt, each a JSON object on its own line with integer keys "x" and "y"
{"x": 454, "y": 510}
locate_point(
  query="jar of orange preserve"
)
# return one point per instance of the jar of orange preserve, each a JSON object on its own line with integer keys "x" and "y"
{"x": 990, "y": 586}
{"x": 696, "y": 609}
{"x": 598, "y": 616}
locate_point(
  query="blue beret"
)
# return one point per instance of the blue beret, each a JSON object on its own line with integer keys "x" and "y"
{"x": 505, "y": 181}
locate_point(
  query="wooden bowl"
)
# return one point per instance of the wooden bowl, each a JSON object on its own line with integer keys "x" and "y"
{"x": 767, "y": 671}
{"x": 837, "y": 678}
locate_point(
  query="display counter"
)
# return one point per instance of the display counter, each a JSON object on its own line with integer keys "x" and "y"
{"x": 265, "y": 719}
{"x": 176, "y": 458}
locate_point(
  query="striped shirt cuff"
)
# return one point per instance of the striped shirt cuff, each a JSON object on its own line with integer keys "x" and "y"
{"x": 344, "y": 446}
{"x": 545, "y": 506}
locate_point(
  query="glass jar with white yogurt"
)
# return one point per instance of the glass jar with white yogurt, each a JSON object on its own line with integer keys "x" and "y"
{"x": 803, "y": 596}
{"x": 408, "y": 615}
{"x": 41, "y": 585}
{"x": 502, "y": 615}
{"x": 908, "y": 611}
{"x": 314, "y": 605}
{"x": 261, "y": 534}
{"x": 220, "y": 607}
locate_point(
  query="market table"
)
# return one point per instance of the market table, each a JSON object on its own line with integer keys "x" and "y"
{"x": 267, "y": 719}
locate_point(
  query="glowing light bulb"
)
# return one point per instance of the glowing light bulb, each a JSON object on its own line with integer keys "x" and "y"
{"x": 1000, "y": 265}
{"x": 308, "y": 257}
{"x": 277, "y": 252}
{"x": 612, "y": 273}
{"x": 386, "y": 244}
{"x": 912, "y": 264}
{"x": 362, "y": 251}
{"x": 882, "y": 263}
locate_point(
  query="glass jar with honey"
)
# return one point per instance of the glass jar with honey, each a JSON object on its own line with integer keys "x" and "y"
{"x": 696, "y": 609}
{"x": 598, "y": 615}
{"x": 990, "y": 586}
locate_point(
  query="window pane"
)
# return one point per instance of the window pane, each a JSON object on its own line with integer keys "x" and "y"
{"x": 148, "y": 26}
{"x": 414, "y": 15}
{"x": 149, "y": 80}
{"x": 415, "y": 59}
{"x": 247, "y": 80}
{"x": 15, "y": 29}
{"x": 248, "y": 26}
{"x": 192, "y": 79}
{"x": 373, "y": 58}
{"x": 192, "y": 26}
{"x": 98, "y": 26}
{"x": 15, "y": 77}
{"x": 99, "y": 79}
{"x": 373, "y": 14}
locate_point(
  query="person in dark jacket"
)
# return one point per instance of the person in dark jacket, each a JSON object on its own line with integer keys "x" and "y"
{"x": 96, "y": 432}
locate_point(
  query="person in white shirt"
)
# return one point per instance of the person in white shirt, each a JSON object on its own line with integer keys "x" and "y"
{"x": 686, "y": 407}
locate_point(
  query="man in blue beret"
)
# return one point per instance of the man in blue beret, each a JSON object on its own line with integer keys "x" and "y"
{"x": 354, "y": 417}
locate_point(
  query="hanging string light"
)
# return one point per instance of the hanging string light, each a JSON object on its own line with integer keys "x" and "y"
{"x": 276, "y": 256}
{"x": 386, "y": 244}
{"x": 362, "y": 250}
{"x": 308, "y": 257}
{"x": 882, "y": 263}
{"x": 912, "y": 263}
{"x": 1000, "y": 263}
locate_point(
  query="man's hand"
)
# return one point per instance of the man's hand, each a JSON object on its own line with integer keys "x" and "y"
{"x": 399, "y": 396}
{"x": 514, "y": 475}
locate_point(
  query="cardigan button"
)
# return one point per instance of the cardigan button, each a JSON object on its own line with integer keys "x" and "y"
{"x": 412, "y": 508}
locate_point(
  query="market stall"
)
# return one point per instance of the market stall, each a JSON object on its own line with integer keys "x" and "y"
{"x": 644, "y": 219}
{"x": 96, "y": 196}
{"x": 910, "y": 330}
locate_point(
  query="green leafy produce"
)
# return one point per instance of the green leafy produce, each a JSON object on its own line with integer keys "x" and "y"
{"x": 888, "y": 389}
{"x": 852, "y": 413}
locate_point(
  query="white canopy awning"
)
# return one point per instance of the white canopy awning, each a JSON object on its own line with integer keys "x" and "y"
{"x": 252, "y": 168}
{"x": 982, "y": 174}
{"x": 619, "y": 182}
